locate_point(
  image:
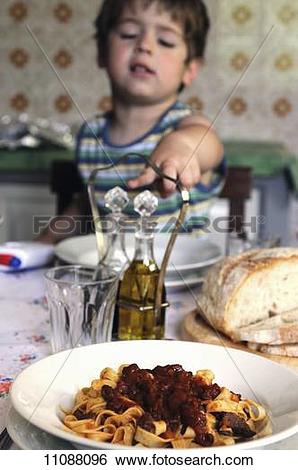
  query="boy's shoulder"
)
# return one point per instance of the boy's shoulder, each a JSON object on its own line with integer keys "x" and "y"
{"x": 96, "y": 125}
{"x": 179, "y": 109}
{"x": 93, "y": 126}
{"x": 174, "y": 115}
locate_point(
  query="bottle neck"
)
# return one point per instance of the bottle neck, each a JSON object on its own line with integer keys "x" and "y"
{"x": 144, "y": 247}
{"x": 116, "y": 256}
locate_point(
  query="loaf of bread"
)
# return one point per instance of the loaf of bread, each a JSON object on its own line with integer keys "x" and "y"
{"x": 278, "y": 329}
{"x": 290, "y": 350}
{"x": 243, "y": 290}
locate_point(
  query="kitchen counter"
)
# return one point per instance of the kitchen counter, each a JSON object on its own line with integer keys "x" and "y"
{"x": 30, "y": 165}
{"x": 274, "y": 170}
{"x": 266, "y": 159}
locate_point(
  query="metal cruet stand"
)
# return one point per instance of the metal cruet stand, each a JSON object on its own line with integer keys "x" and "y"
{"x": 100, "y": 238}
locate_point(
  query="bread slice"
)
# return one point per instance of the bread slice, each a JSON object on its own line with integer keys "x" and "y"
{"x": 278, "y": 329}
{"x": 290, "y": 350}
{"x": 245, "y": 289}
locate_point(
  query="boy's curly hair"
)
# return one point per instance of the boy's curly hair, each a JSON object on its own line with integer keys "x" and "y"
{"x": 191, "y": 13}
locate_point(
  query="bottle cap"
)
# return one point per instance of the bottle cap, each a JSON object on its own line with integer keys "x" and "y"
{"x": 116, "y": 199}
{"x": 145, "y": 203}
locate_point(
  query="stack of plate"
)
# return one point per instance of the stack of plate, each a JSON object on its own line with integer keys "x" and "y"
{"x": 44, "y": 389}
{"x": 190, "y": 258}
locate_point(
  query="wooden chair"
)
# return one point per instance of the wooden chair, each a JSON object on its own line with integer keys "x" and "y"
{"x": 237, "y": 190}
{"x": 66, "y": 183}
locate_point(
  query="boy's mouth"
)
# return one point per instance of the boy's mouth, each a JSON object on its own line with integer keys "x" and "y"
{"x": 140, "y": 68}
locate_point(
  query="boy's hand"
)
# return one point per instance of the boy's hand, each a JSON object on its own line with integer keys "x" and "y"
{"x": 186, "y": 154}
{"x": 176, "y": 158}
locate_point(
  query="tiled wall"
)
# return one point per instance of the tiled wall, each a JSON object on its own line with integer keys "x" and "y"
{"x": 248, "y": 85}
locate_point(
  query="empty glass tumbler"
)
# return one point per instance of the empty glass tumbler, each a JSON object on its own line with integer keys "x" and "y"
{"x": 81, "y": 304}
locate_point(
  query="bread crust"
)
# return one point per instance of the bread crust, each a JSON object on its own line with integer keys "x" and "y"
{"x": 226, "y": 282}
{"x": 290, "y": 350}
{"x": 279, "y": 328}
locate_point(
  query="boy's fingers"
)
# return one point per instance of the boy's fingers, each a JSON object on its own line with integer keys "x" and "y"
{"x": 168, "y": 186}
{"x": 148, "y": 176}
{"x": 187, "y": 181}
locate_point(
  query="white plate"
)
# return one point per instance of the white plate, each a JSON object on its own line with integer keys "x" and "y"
{"x": 29, "y": 437}
{"x": 185, "y": 282}
{"x": 40, "y": 391}
{"x": 189, "y": 252}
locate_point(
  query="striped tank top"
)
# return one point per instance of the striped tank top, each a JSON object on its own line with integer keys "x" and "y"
{"x": 94, "y": 149}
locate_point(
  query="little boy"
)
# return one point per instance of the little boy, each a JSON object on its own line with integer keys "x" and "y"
{"x": 151, "y": 50}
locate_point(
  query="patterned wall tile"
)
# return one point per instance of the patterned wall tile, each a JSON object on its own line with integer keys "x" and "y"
{"x": 238, "y": 56}
{"x": 63, "y": 12}
{"x": 283, "y": 114}
{"x": 18, "y": 11}
{"x": 63, "y": 58}
{"x": 62, "y": 103}
{"x": 244, "y": 115}
{"x": 84, "y": 17}
{"x": 213, "y": 103}
{"x": 196, "y": 103}
{"x": 105, "y": 104}
{"x": 261, "y": 106}
{"x": 239, "y": 17}
{"x": 18, "y": 57}
{"x": 239, "y": 60}
{"x": 238, "y": 105}
{"x": 282, "y": 107}
{"x": 281, "y": 104}
{"x": 212, "y": 8}
{"x": 283, "y": 14}
{"x": 19, "y": 102}
{"x": 281, "y": 60}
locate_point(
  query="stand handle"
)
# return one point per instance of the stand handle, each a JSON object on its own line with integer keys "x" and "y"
{"x": 99, "y": 236}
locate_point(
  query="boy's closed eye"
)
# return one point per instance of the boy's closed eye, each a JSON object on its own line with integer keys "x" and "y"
{"x": 166, "y": 43}
{"x": 133, "y": 35}
{"x": 162, "y": 42}
{"x": 128, "y": 35}
{"x": 168, "y": 38}
{"x": 128, "y": 30}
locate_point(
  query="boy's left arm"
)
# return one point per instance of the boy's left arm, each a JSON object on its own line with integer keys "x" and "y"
{"x": 188, "y": 153}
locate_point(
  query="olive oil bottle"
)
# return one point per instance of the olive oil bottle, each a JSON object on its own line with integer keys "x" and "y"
{"x": 137, "y": 318}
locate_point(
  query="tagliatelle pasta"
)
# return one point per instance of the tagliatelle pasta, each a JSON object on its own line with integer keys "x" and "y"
{"x": 164, "y": 407}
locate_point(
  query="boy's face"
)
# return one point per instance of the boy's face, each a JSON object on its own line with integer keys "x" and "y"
{"x": 146, "y": 59}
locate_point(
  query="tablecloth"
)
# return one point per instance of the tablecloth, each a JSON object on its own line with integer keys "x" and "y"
{"x": 25, "y": 330}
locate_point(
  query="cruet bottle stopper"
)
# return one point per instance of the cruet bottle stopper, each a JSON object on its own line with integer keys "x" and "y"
{"x": 137, "y": 291}
{"x": 116, "y": 200}
{"x": 145, "y": 204}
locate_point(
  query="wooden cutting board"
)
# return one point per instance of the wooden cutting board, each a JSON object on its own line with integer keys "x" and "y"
{"x": 195, "y": 329}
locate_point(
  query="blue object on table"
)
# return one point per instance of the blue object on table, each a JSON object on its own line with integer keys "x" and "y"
{"x": 18, "y": 256}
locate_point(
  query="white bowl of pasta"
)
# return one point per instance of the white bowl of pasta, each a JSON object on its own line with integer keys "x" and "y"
{"x": 159, "y": 394}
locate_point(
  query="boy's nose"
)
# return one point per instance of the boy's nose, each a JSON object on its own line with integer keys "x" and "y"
{"x": 145, "y": 44}
{"x": 143, "y": 48}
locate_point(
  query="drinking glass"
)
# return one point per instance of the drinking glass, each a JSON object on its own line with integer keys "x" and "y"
{"x": 237, "y": 244}
{"x": 81, "y": 304}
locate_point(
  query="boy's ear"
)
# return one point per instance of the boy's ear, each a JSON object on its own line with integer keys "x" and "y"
{"x": 191, "y": 71}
